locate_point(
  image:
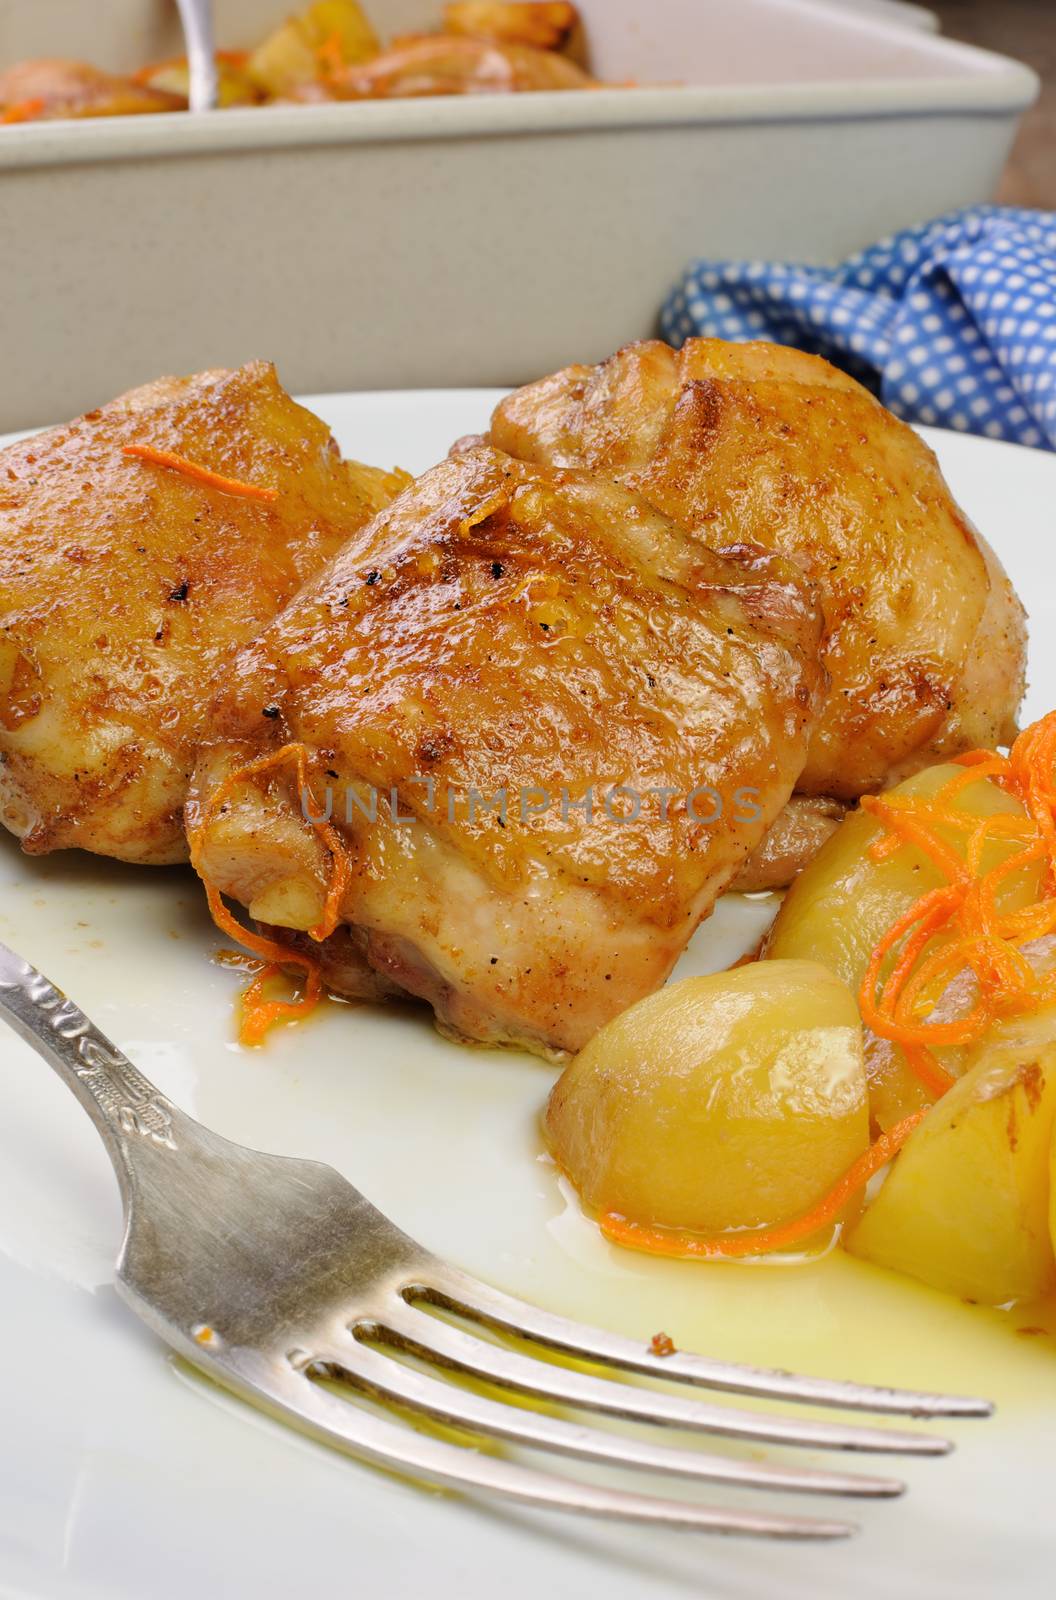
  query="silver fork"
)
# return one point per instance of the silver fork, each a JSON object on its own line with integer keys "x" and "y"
{"x": 270, "y": 1274}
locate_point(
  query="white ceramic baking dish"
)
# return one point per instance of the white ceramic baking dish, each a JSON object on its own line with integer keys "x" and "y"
{"x": 469, "y": 240}
{"x": 912, "y": 16}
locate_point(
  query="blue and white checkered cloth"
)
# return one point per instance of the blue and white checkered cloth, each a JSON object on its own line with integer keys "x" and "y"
{"x": 952, "y": 323}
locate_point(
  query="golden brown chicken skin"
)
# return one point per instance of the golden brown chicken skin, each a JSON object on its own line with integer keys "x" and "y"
{"x": 125, "y": 585}
{"x": 545, "y": 24}
{"x": 925, "y": 640}
{"x": 441, "y": 64}
{"x": 48, "y": 90}
{"x": 502, "y": 640}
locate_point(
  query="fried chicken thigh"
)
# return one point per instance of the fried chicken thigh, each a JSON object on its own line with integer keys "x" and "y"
{"x": 544, "y": 24}
{"x": 548, "y": 727}
{"x": 924, "y": 636}
{"x": 441, "y": 64}
{"x": 125, "y": 585}
{"x": 45, "y": 90}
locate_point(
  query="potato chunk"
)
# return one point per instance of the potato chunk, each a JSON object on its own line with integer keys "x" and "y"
{"x": 325, "y": 37}
{"x": 725, "y": 1102}
{"x": 843, "y": 903}
{"x": 965, "y": 1207}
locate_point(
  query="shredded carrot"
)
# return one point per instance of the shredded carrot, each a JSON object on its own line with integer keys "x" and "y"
{"x": 330, "y": 55}
{"x": 690, "y": 1246}
{"x": 259, "y": 1012}
{"x": 22, "y": 111}
{"x": 954, "y": 927}
{"x": 144, "y": 74}
{"x": 959, "y": 926}
{"x": 190, "y": 469}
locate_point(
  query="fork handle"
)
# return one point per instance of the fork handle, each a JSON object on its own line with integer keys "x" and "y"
{"x": 124, "y": 1105}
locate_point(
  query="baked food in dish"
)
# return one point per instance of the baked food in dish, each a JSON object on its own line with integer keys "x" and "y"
{"x": 329, "y": 50}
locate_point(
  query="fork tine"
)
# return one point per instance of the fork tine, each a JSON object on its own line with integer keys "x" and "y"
{"x": 297, "y": 1399}
{"x": 384, "y": 1378}
{"x": 458, "y": 1292}
{"x": 437, "y": 1341}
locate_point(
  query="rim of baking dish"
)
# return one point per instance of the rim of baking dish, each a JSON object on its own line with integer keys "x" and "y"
{"x": 988, "y": 84}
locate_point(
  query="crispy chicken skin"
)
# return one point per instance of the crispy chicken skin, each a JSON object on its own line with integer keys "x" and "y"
{"x": 502, "y": 628}
{"x": 545, "y": 24}
{"x": 924, "y": 638}
{"x": 124, "y": 586}
{"x": 440, "y": 64}
{"x": 43, "y": 90}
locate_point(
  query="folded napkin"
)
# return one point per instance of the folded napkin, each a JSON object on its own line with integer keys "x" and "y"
{"x": 951, "y": 323}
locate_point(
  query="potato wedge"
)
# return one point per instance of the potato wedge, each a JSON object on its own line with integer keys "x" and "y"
{"x": 726, "y": 1102}
{"x": 966, "y": 1205}
{"x": 320, "y": 40}
{"x": 841, "y": 905}
{"x": 843, "y": 902}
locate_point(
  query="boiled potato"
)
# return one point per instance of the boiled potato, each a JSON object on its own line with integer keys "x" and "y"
{"x": 966, "y": 1205}
{"x": 843, "y": 903}
{"x": 727, "y": 1102}
{"x": 331, "y": 33}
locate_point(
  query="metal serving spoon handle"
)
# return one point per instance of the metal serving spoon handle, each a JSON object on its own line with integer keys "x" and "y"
{"x": 199, "y": 37}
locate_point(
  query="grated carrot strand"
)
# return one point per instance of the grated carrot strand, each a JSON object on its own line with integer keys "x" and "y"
{"x": 676, "y": 1242}
{"x": 204, "y": 475}
{"x": 258, "y": 1012}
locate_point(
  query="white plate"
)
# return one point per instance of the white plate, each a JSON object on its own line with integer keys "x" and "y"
{"x": 123, "y": 1476}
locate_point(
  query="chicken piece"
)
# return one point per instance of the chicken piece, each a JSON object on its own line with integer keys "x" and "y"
{"x": 47, "y": 90}
{"x": 925, "y": 639}
{"x": 545, "y": 24}
{"x": 500, "y": 644}
{"x": 795, "y": 839}
{"x": 439, "y": 64}
{"x": 125, "y": 585}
